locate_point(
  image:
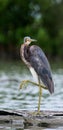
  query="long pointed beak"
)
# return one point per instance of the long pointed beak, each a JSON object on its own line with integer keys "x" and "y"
{"x": 33, "y": 40}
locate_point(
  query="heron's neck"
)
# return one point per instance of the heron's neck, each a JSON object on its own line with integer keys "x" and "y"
{"x": 24, "y": 53}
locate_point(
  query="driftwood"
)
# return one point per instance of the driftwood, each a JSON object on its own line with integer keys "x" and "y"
{"x": 25, "y": 118}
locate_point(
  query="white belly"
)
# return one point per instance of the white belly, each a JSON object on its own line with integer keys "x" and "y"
{"x": 34, "y": 74}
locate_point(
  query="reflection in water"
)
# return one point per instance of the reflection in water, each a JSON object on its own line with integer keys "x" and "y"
{"x": 16, "y": 127}
{"x": 13, "y": 98}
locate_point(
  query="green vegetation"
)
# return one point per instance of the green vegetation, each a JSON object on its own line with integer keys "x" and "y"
{"x": 39, "y": 19}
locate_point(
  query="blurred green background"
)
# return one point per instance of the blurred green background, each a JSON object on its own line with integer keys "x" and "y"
{"x": 40, "y": 19}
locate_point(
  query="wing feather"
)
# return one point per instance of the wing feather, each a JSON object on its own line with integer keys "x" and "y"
{"x": 39, "y": 62}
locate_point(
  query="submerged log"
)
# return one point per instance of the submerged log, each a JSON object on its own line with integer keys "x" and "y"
{"x": 27, "y": 118}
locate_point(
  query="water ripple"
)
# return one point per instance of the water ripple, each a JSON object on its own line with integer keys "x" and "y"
{"x": 27, "y": 98}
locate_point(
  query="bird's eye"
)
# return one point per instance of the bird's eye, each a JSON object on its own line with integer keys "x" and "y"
{"x": 27, "y": 39}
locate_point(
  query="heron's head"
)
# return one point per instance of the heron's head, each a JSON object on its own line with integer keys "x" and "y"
{"x": 28, "y": 40}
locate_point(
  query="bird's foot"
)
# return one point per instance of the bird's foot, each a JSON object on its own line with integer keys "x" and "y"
{"x": 23, "y": 83}
{"x": 37, "y": 113}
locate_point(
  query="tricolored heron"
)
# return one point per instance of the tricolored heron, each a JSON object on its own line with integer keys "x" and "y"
{"x": 37, "y": 62}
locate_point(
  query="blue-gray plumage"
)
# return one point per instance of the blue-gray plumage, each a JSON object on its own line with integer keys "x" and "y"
{"x": 34, "y": 57}
{"x": 37, "y": 59}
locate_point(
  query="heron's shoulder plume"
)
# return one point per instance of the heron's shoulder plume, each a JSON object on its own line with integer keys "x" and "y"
{"x": 34, "y": 49}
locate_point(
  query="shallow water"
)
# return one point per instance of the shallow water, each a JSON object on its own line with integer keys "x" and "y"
{"x": 27, "y": 98}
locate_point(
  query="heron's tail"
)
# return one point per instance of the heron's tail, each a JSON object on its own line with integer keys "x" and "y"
{"x": 51, "y": 86}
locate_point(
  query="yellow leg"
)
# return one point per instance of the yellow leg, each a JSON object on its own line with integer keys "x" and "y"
{"x": 40, "y": 95}
{"x": 24, "y": 82}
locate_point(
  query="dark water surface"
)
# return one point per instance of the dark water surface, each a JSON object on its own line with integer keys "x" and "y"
{"x": 27, "y": 98}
